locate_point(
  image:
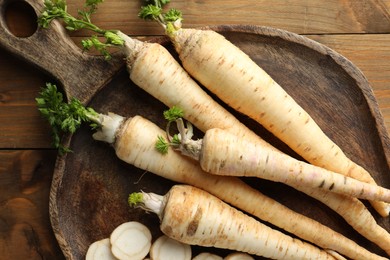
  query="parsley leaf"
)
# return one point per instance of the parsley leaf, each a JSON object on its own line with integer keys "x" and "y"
{"x": 63, "y": 117}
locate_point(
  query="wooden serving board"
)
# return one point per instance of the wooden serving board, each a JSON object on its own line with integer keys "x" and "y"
{"x": 90, "y": 186}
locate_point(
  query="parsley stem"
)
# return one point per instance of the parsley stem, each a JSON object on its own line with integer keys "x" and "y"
{"x": 170, "y": 20}
{"x": 57, "y": 9}
{"x": 95, "y": 118}
{"x": 91, "y": 26}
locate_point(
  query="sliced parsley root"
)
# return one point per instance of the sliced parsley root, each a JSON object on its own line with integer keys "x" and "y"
{"x": 208, "y": 256}
{"x": 66, "y": 117}
{"x": 100, "y": 250}
{"x": 168, "y": 248}
{"x": 131, "y": 240}
{"x": 238, "y": 256}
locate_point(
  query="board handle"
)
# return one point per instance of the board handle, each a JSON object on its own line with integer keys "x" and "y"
{"x": 53, "y": 51}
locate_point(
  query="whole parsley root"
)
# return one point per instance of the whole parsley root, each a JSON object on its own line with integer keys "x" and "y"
{"x": 193, "y": 216}
{"x": 222, "y": 153}
{"x": 238, "y": 81}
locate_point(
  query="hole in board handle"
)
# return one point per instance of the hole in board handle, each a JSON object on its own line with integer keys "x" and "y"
{"x": 20, "y": 18}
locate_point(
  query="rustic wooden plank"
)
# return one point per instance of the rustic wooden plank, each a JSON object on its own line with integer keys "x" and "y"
{"x": 299, "y": 16}
{"x": 21, "y": 124}
{"x": 25, "y": 230}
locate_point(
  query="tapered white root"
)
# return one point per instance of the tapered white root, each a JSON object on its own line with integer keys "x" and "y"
{"x": 223, "y": 153}
{"x": 237, "y": 80}
{"x": 193, "y": 216}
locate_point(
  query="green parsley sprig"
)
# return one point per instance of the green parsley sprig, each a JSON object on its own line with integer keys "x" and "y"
{"x": 64, "y": 117}
{"x": 57, "y": 9}
{"x": 170, "y": 20}
{"x": 173, "y": 115}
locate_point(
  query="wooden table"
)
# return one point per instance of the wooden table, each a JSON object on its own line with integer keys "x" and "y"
{"x": 357, "y": 29}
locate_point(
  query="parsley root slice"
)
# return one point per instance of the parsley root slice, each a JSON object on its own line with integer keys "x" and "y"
{"x": 238, "y": 81}
{"x": 193, "y": 216}
{"x": 165, "y": 248}
{"x": 134, "y": 142}
{"x": 100, "y": 250}
{"x": 131, "y": 240}
{"x": 209, "y": 256}
{"x": 222, "y": 153}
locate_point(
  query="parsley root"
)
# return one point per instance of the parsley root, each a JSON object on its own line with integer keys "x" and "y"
{"x": 222, "y": 153}
{"x": 193, "y": 216}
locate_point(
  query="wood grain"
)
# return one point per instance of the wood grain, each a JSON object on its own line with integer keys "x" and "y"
{"x": 25, "y": 231}
{"x": 303, "y": 17}
{"x": 53, "y": 51}
{"x": 21, "y": 124}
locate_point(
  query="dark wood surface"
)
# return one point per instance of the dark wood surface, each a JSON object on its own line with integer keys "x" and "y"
{"x": 357, "y": 29}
